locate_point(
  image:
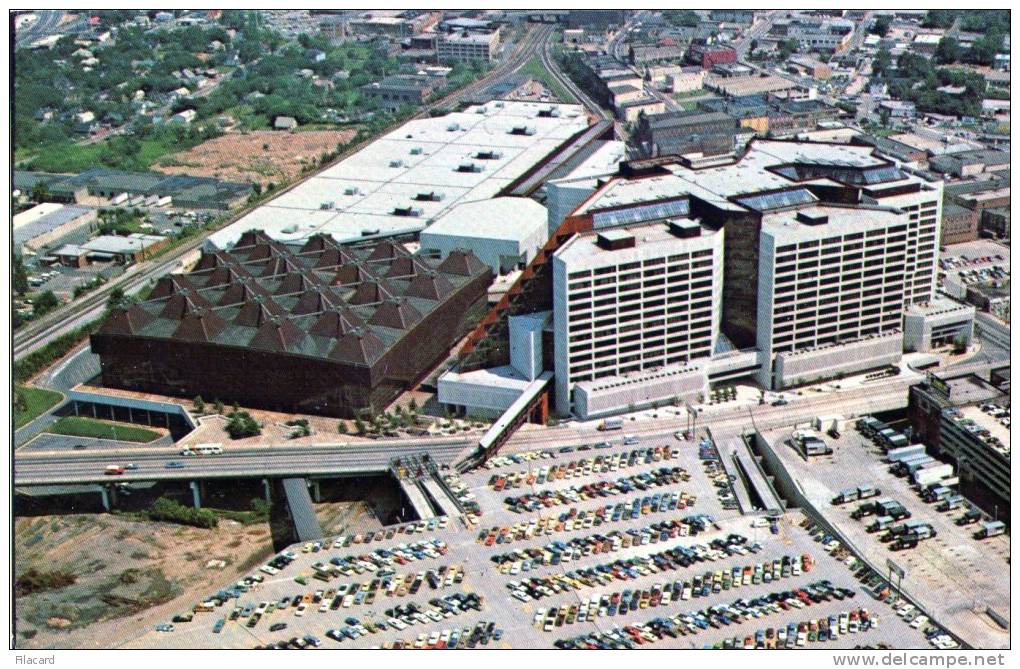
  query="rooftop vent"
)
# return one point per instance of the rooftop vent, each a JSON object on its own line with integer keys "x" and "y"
{"x": 396, "y": 163}
{"x": 407, "y": 211}
{"x": 614, "y": 240}
{"x": 326, "y": 206}
{"x": 812, "y": 219}
{"x": 488, "y": 155}
{"x": 469, "y": 167}
{"x": 351, "y": 190}
{"x": 416, "y": 151}
{"x": 430, "y": 196}
{"x": 453, "y": 127}
{"x": 684, "y": 229}
{"x": 522, "y": 130}
{"x": 549, "y": 112}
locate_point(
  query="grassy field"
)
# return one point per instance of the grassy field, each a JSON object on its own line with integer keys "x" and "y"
{"x": 533, "y": 68}
{"x": 37, "y": 402}
{"x": 72, "y": 157}
{"x": 76, "y": 426}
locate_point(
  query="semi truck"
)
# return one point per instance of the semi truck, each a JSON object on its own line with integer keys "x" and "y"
{"x": 611, "y": 424}
{"x": 854, "y": 494}
{"x": 898, "y": 454}
{"x": 879, "y": 524}
{"x": 932, "y": 473}
{"x": 990, "y": 529}
{"x": 951, "y": 502}
{"x": 869, "y": 426}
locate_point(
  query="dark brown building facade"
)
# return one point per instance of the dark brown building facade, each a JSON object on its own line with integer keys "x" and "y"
{"x": 322, "y": 328}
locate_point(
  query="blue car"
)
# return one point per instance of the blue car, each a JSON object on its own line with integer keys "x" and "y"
{"x": 175, "y": 465}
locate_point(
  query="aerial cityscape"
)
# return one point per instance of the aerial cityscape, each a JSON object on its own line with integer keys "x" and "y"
{"x": 510, "y": 329}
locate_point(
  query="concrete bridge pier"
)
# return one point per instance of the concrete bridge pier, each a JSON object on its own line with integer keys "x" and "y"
{"x": 315, "y": 489}
{"x": 267, "y": 491}
{"x": 105, "y": 494}
{"x": 196, "y": 493}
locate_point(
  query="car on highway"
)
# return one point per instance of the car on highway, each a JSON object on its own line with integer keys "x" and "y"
{"x": 131, "y": 466}
{"x": 79, "y": 447}
{"x": 175, "y": 465}
{"x": 113, "y": 470}
{"x": 165, "y": 627}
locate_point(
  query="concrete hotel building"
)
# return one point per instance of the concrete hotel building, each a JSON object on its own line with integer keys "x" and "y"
{"x": 633, "y": 299}
{"x": 817, "y": 252}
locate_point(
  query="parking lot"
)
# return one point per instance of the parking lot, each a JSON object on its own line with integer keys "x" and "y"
{"x": 952, "y": 574}
{"x": 423, "y": 586}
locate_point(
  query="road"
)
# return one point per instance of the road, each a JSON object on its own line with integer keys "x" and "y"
{"x": 79, "y": 467}
{"x": 51, "y": 468}
{"x": 761, "y": 27}
{"x": 69, "y": 317}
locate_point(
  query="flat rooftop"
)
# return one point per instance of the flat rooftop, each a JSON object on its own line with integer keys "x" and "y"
{"x": 505, "y": 218}
{"x": 995, "y": 429}
{"x": 464, "y": 156}
{"x": 969, "y": 389}
{"x": 651, "y": 239}
{"x": 939, "y": 305}
{"x": 767, "y": 166}
{"x": 840, "y": 220}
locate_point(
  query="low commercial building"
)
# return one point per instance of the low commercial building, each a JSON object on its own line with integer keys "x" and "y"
{"x": 817, "y": 34}
{"x": 995, "y": 223}
{"x": 316, "y": 328}
{"x": 468, "y": 47}
{"x": 133, "y": 248}
{"x": 398, "y": 90}
{"x": 954, "y": 415}
{"x": 710, "y": 133}
{"x": 707, "y": 56}
{"x": 971, "y": 163}
{"x": 647, "y": 105}
{"x": 505, "y": 233}
{"x": 50, "y": 223}
{"x": 959, "y": 224}
{"x": 939, "y": 323}
{"x": 102, "y": 186}
{"x": 490, "y": 392}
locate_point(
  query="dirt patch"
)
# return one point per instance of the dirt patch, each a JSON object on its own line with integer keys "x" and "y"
{"x": 259, "y": 156}
{"x": 128, "y": 575}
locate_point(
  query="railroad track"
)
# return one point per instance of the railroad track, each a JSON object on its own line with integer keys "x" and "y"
{"x": 80, "y": 312}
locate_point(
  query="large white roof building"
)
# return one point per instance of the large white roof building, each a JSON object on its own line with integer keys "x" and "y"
{"x": 405, "y": 180}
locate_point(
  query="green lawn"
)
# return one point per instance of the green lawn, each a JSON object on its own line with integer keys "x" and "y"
{"x": 37, "y": 402}
{"x": 533, "y": 68}
{"x": 77, "y": 426}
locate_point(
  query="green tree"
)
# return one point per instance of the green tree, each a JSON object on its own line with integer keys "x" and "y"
{"x": 116, "y": 298}
{"x": 412, "y": 406}
{"x": 218, "y": 406}
{"x": 882, "y": 62}
{"x": 199, "y": 404}
{"x": 40, "y": 192}
{"x": 880, "y": 26}
{"x": 947, "y": 51}
{"x": 682, "y": 17}
{"x": 787, "y": 48}
{"x": 45, "y": 303}
{"x": 20, "y": 276}
{"x": 341, "y": 427}
{"x": 359, "y": 426}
